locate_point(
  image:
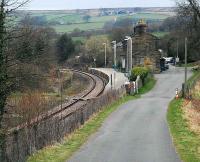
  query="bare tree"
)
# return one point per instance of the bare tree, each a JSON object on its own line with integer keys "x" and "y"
{"x": 185, "y": 24}
{"x": 6, "y": 8}
{"x": 189, "y": 10}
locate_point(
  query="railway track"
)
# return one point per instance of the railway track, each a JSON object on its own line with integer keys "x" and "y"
{"x": 95, "y": 90}
{"x": 97, "y": 80}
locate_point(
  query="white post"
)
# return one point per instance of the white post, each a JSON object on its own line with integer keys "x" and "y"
{"x": 129, "y": 53}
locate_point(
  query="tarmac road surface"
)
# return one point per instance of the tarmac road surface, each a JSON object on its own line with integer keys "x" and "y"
{"x": 138, "y": 130}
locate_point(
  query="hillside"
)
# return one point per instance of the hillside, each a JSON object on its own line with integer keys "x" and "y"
{"x": 68, "y": 20}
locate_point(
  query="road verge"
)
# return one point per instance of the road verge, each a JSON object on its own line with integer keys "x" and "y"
{"x": 187, "y": 142}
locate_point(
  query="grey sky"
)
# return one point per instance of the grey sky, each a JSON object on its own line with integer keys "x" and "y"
{"x": 80, "y": 4}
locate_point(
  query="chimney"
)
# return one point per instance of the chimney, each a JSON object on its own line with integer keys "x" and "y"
{"x": 141, "y": 27}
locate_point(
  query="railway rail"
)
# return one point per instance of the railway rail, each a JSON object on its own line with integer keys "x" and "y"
{"x": 98, "y": 87}
{"x": 95, "y": 90}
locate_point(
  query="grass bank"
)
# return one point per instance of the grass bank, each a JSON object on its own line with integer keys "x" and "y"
{"x": 148, "y": 86}
{"x": 62, "y": 152}
{"x": 186, "y": 142}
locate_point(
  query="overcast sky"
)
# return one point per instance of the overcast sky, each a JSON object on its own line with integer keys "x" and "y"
{"x": 86, "y": 4}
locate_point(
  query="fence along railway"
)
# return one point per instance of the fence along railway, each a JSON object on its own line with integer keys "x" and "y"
{"x": 95, "y": 89}
{"x": 51, "y": 127}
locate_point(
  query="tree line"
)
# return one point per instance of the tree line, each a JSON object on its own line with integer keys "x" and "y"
{"x": 186, "y": 23}
{"x": 28, "y": 53}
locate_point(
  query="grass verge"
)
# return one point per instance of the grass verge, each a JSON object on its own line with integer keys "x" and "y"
{"x": 186, "y": 142}
{"x": 148, "y": 86}
{"x": 62, "y": 152}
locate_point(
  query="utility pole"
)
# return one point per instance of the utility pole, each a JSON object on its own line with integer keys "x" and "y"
{"x": 61, "y": 87}
{"x": 115, "y": 53}
{"x": 127, "y": 56}
{"x": 105, "y": 54}
{"x": 129, "y": 53}
{"x": 95, "y": 62}
{"x": 177, "y": 50}
{"x": 185, "y": 87}
{"x": 177, "y": 53}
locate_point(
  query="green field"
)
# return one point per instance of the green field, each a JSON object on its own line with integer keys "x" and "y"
{"x": 82, "y": 26}
{"x": 67, "y": 22}
{"x": 150, "y": 16}
{"x": 82, "y": 39}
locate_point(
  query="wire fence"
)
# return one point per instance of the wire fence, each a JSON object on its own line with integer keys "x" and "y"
{"x": 23, "y": 142}
{"x": 26, "y": 105}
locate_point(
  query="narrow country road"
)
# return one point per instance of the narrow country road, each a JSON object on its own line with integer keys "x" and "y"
{"x": 137, "y": 131}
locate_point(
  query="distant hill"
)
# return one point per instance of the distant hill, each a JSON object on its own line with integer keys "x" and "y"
{"x": 70, "y": 20}
{"x": 110, "y": 11}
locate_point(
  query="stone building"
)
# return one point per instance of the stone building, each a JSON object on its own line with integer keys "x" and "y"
{"x": 144, "y": 48}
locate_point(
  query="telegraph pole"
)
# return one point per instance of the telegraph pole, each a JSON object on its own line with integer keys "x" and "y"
{"x": 177, "y": 53}
{"x": 105, "y": 54}
{"x": 127, "y": 57}
{"x": 115, "y": 53}
{"x": 61, "y": 88}
{"x": 131, "y": 54}
{"x": 185, "y": 87}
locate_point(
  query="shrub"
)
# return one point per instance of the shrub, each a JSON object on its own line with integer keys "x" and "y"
{"x": 139, "y": 71}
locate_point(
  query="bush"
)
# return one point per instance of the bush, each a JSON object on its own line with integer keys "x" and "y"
{"x": 139, "y": 71}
